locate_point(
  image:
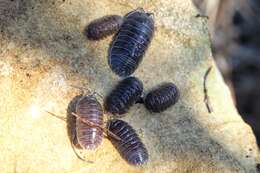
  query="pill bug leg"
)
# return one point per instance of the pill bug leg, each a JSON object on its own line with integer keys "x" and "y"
{"x": 140, "y": 101}
{"x": 140, "y": 9}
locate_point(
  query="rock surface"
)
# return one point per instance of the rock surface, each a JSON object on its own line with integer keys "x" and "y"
{"x": 43, "y": 52}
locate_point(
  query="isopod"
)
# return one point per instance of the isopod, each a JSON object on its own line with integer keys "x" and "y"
{"x": 123, "y": 96}
{"x": 89, "y": 109}
{"x": 130, "y": 146}
{"x": 130, "y": 43}
{"x": 103, "y": 27}
{"x": 85, "y": 123}
{"x": 162, "y": 97}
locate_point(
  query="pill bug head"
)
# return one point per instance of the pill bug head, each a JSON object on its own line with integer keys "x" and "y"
{"x": 162, "y": 97}
{"x": 130, "y": 146}
{"x": 103, "y": 27}
{"x": 125, "y": 94}
{"x": 140, "y": 12}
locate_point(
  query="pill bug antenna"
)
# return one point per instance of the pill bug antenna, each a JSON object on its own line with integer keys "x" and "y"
{"x": 71, "y": 143}
{"x": 140, "y": 9}
{"x": 78, "y": 155}
{"x": 88, "y": 91}
{"x": 150, "y": 15}
{"x": 98, "y": 126}
{"x": 98, "y": 94}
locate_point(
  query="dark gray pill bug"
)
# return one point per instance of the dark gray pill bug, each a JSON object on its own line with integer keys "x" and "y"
{"x": 90, "y": 109}
{"x": 123, "y": 96}
{"x": 103, "y": 27}
{"x": 162, "y": 97}
{"x": 130, "y": 43}
{"x": 130, "y": 146}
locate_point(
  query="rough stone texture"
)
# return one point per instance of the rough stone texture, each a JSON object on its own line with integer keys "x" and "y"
{"x": 43, "y": 52}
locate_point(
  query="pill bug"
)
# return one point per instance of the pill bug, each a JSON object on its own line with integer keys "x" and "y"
{"x": 88, "y": 108}
{"x": 130, "y": 43}
{"x": 72, "y": 119}
{"x": 162, "y": 97}
{"x": 123, "y": 96}
{"x": 103, "y": 27}
{"x": 130, "y": 146}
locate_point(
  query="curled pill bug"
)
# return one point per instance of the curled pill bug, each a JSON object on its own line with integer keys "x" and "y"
{"x": 123, "y": 96}
{"x": 89, "y": 110}
{"x": 130, "y": 43}
{"x": 162, "y": 97}
{"x": 103, "y": 27}
{"x": 130, "y": 146}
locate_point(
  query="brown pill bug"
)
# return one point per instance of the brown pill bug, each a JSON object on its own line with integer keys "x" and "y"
{"x": 89, "y": 109}
{"x": 130, "y": 146}
{"x": 103, "y": 27}
{"x": 123, "y": 96}
{"x": 130, "y": 43}
{"x": 162, "y": 97}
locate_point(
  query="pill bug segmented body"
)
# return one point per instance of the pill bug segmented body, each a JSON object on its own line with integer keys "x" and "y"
{"x": 162, "y": 97}
{"x": 130, "y": 146}
{"x": 103, "y": 27}
{"x": 130, "y": 43}
{"x": 89, "y": 108}
{"x": 123, "y": 96}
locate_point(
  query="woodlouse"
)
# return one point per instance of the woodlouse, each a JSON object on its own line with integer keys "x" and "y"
{"x": 89, "y": 109}
{"x": 123, "y": 96}
{"x": 130, "y": 146}
{"x": 162, "y": 97}
{"x": 77, "y": 104}
{"x": 130, "y": 43}
{"x": 103, "y": 27}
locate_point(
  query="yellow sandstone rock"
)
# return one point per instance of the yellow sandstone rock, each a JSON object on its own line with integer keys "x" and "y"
{"x": 43, "y": 52}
